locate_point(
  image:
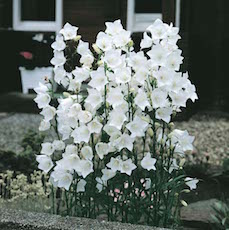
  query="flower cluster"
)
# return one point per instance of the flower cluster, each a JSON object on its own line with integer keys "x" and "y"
{"x": 114, "y": 101}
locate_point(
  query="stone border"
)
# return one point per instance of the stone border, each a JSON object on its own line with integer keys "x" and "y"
{"x": 22, "y": 220}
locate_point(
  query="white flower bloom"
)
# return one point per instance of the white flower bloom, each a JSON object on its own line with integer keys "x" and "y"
{"x": 81, "y": 74}
{"x": 94, "y": 98}
{"x": 128, "y": 166}
{"x": 59, "y": 74}
{"x": 158, "y": 30}
{"x": 113, "y": 58}
{"x": 111, "y": 130}
{"x": 178, "y": 99}
{"x": 95, "y": 126}
{"x": 102, "y": 149}
{"x": 71, "y": 149}
{"x": 83, "y": 48}
{"x": 87, "y": 60}
{"x": 48, "y": 113}
{"x": 47, "y": 148}
{"x": 117, "y": 118}
{"x": 137, "y": 127}
{"x": 124, "y": 141}
{"x": 122, "y": 38}
{"x": 177, "y": 83}
{"x": 146, "y": 42}
{"x": 74, "y": 110}
{"x": 115, "y": 164}
{"x": 104, "y": 41}
{"x": 74, "y": 85}
{"x": 191, "y": 182}
{"x": 137, "y": 60}
{"x": 148, "y": 162}
{"x": 58, "y": 145}
{"x": 183, "y": 139}
{"x": 190, "y": 89}
{"x": 122, "y": 75}
{"x": 65, "y": 103}
{"x": 98, "y": 79}
{"x": 159, "y": 98}
{"x": 44, "y": 125}
{"x": 45, "y": 163}
{"x": 173, "y": 166}
{"x": 86, "y": 168}
{"x": 141, "y": 74}
{"x": 158, "y": 55}
{"x": 164, "y": 77}
{"x": 59, "y": 44}
{"x": 141, "y": 99}
{"x": 87, "y": 152}
{"x": 84, "y": 116}
{"x": 65, "y": 131}
{"x": 107, "y": 174}
{"x": 42, "y": 89}
{"x": 81, "y": 134}
{"x": 42, "y": 100}
{"x": 164, "y": 114}
{"x": 147, "y": 183}
{"x": 100, "y": 184}
{"x": 71, "y": 161}
{"x": 115, "y": 97}
{"x": 65, "y": 180}
{"x": 81, "y": 186}
{"x": 122, "y": 108}
{"x": 174, "y": 60}
{"x": 58, "y": 59}
{"x": 114, "y": 28}
{"x": 69, "y": 32}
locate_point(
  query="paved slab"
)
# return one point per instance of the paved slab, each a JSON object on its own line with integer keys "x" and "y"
{"x": 21, "y": 220}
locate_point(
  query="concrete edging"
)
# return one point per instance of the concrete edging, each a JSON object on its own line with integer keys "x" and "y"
{"x": 22, "y": 220}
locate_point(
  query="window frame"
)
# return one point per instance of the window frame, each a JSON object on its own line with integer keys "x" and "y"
{"x": 49, "y": 26}
{"x": 138, "y": 22}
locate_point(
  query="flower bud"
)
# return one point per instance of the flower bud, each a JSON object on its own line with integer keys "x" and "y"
{"x": 66, "y": 94}
{"x": 96, "y": 49}
{"x": 171, "y": 125}
{"x": 145, "y": 118}
{"x": 132, "y": 90}
{"x": 77, "y": 38}
{"x": 130, "y": 43}
{"x": 184, "y": 203}
{"x": 182, "y": 161}
{"x": 174, "y": 113}
{"x": 99, "y": 63}
{"x": 157, "y": 125}
{"x": 150, "y": 132}
{"x": 170, "y": 135}
{"x": 186, "y": 191}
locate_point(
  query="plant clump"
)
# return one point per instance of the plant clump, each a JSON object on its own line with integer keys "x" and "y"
{"x": 117, "y": 150}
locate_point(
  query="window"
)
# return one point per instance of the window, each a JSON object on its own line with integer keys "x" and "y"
{"x": 141, "y": 13}
{"x": 37, "y": 15}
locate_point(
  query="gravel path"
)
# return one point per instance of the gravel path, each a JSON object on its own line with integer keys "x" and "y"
{"x": 211, "y": 142}
{"x": 13, "y": 127}
{"x": 211, "y": 138}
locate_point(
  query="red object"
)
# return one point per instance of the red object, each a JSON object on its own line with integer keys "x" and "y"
{"x": 27, "y": 55}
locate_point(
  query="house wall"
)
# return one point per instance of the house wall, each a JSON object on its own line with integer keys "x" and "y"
{"x": 90, "y": 15}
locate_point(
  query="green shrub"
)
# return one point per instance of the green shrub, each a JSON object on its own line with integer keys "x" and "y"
{"x": 25, "y": 161}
